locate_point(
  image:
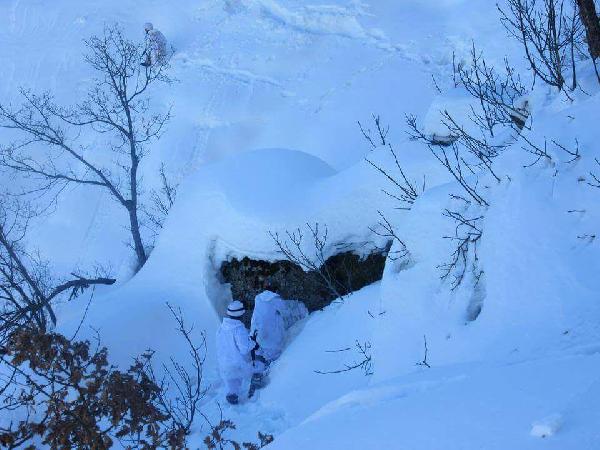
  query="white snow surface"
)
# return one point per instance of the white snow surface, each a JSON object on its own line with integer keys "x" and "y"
{"x": 264, "y": 138}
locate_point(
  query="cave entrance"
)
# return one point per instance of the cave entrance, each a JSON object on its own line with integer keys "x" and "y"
{"x": 348, "y": 270}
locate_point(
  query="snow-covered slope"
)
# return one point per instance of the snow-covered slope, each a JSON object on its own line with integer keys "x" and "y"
{"x": 251, "y": 74}
{"x": 465, "y": 407}
{"x": 257, "y": 78}
{"x": 525, "y": 369}
{"x": 227, "y": 209}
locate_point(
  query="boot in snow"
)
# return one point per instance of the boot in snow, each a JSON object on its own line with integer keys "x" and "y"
{"x": 258, "y": 381}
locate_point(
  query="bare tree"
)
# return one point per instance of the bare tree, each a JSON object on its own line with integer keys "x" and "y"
{"x": 469, "y": 152}
{"x": 453, "y": 157}
{"x": 547, "y": 31}
{"x": 184, "y": 406}
{"x": 404, "y": 189}
{"x": 466, "y": 153}
{"x": 117, "y": 108}
{"x": 27, "y": 288}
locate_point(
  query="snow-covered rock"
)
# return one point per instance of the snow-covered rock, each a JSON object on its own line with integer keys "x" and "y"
{"x": 548, "y": 426}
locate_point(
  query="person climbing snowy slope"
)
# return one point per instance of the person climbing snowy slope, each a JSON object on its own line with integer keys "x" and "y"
{"x": 234, "y": 348}
{"x": 156, "y": 46}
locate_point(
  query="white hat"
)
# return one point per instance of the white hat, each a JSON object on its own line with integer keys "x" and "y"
{"x": 236, "y": 309}
{"x": 148, "y": 26}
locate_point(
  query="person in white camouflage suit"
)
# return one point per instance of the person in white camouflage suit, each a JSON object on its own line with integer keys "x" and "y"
{"x": 156, "y": 47}
{"x": 234, "y": 352}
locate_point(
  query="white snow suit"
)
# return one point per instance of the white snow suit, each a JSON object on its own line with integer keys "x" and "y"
{"x": 156, "y": 47}
{"x": 268, "y": 323}
{"x": 233, "y": 349}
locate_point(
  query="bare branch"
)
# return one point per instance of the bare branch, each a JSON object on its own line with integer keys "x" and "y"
{"x": 467, "y": 235}
{"x": 365, "y": 363}
{"x": 293, "y": 248}
{"x": 117, "y": 105}
{"x": 424, "y": 363}
{"x": 548, "y": 36}
{"x": 407, "y": 190}
{"x": 78, "y": 285}
{"x": 596, "y": 178}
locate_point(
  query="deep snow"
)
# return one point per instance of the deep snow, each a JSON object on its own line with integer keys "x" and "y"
{"x": 260, "y": 77}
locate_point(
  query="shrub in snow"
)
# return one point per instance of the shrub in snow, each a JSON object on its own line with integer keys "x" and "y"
{"x": 64, "y": 393}
{"x": 70, "y": 395}
{"x": 217, "y": 440}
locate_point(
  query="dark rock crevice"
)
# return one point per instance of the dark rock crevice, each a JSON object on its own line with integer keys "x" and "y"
{"x": 349, "y": 271}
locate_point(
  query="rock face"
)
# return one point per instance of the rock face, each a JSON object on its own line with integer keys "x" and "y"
{"x": 349, "y": 272}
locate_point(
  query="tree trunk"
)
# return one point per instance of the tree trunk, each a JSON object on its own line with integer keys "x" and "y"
{"x": 589, "y": 17}
{"x": 138, "y": 245}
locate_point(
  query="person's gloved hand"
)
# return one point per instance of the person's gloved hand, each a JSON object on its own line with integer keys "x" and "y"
{"x": 254, "y": 338}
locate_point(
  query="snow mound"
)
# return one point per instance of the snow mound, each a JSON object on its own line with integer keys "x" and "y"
{"x": 547, "y": 426}
{"x": 231, "y": 205}
{"x": 227, "y": 209}
{"x": 538, "y": 292}
{"x": 318, "y": 19}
